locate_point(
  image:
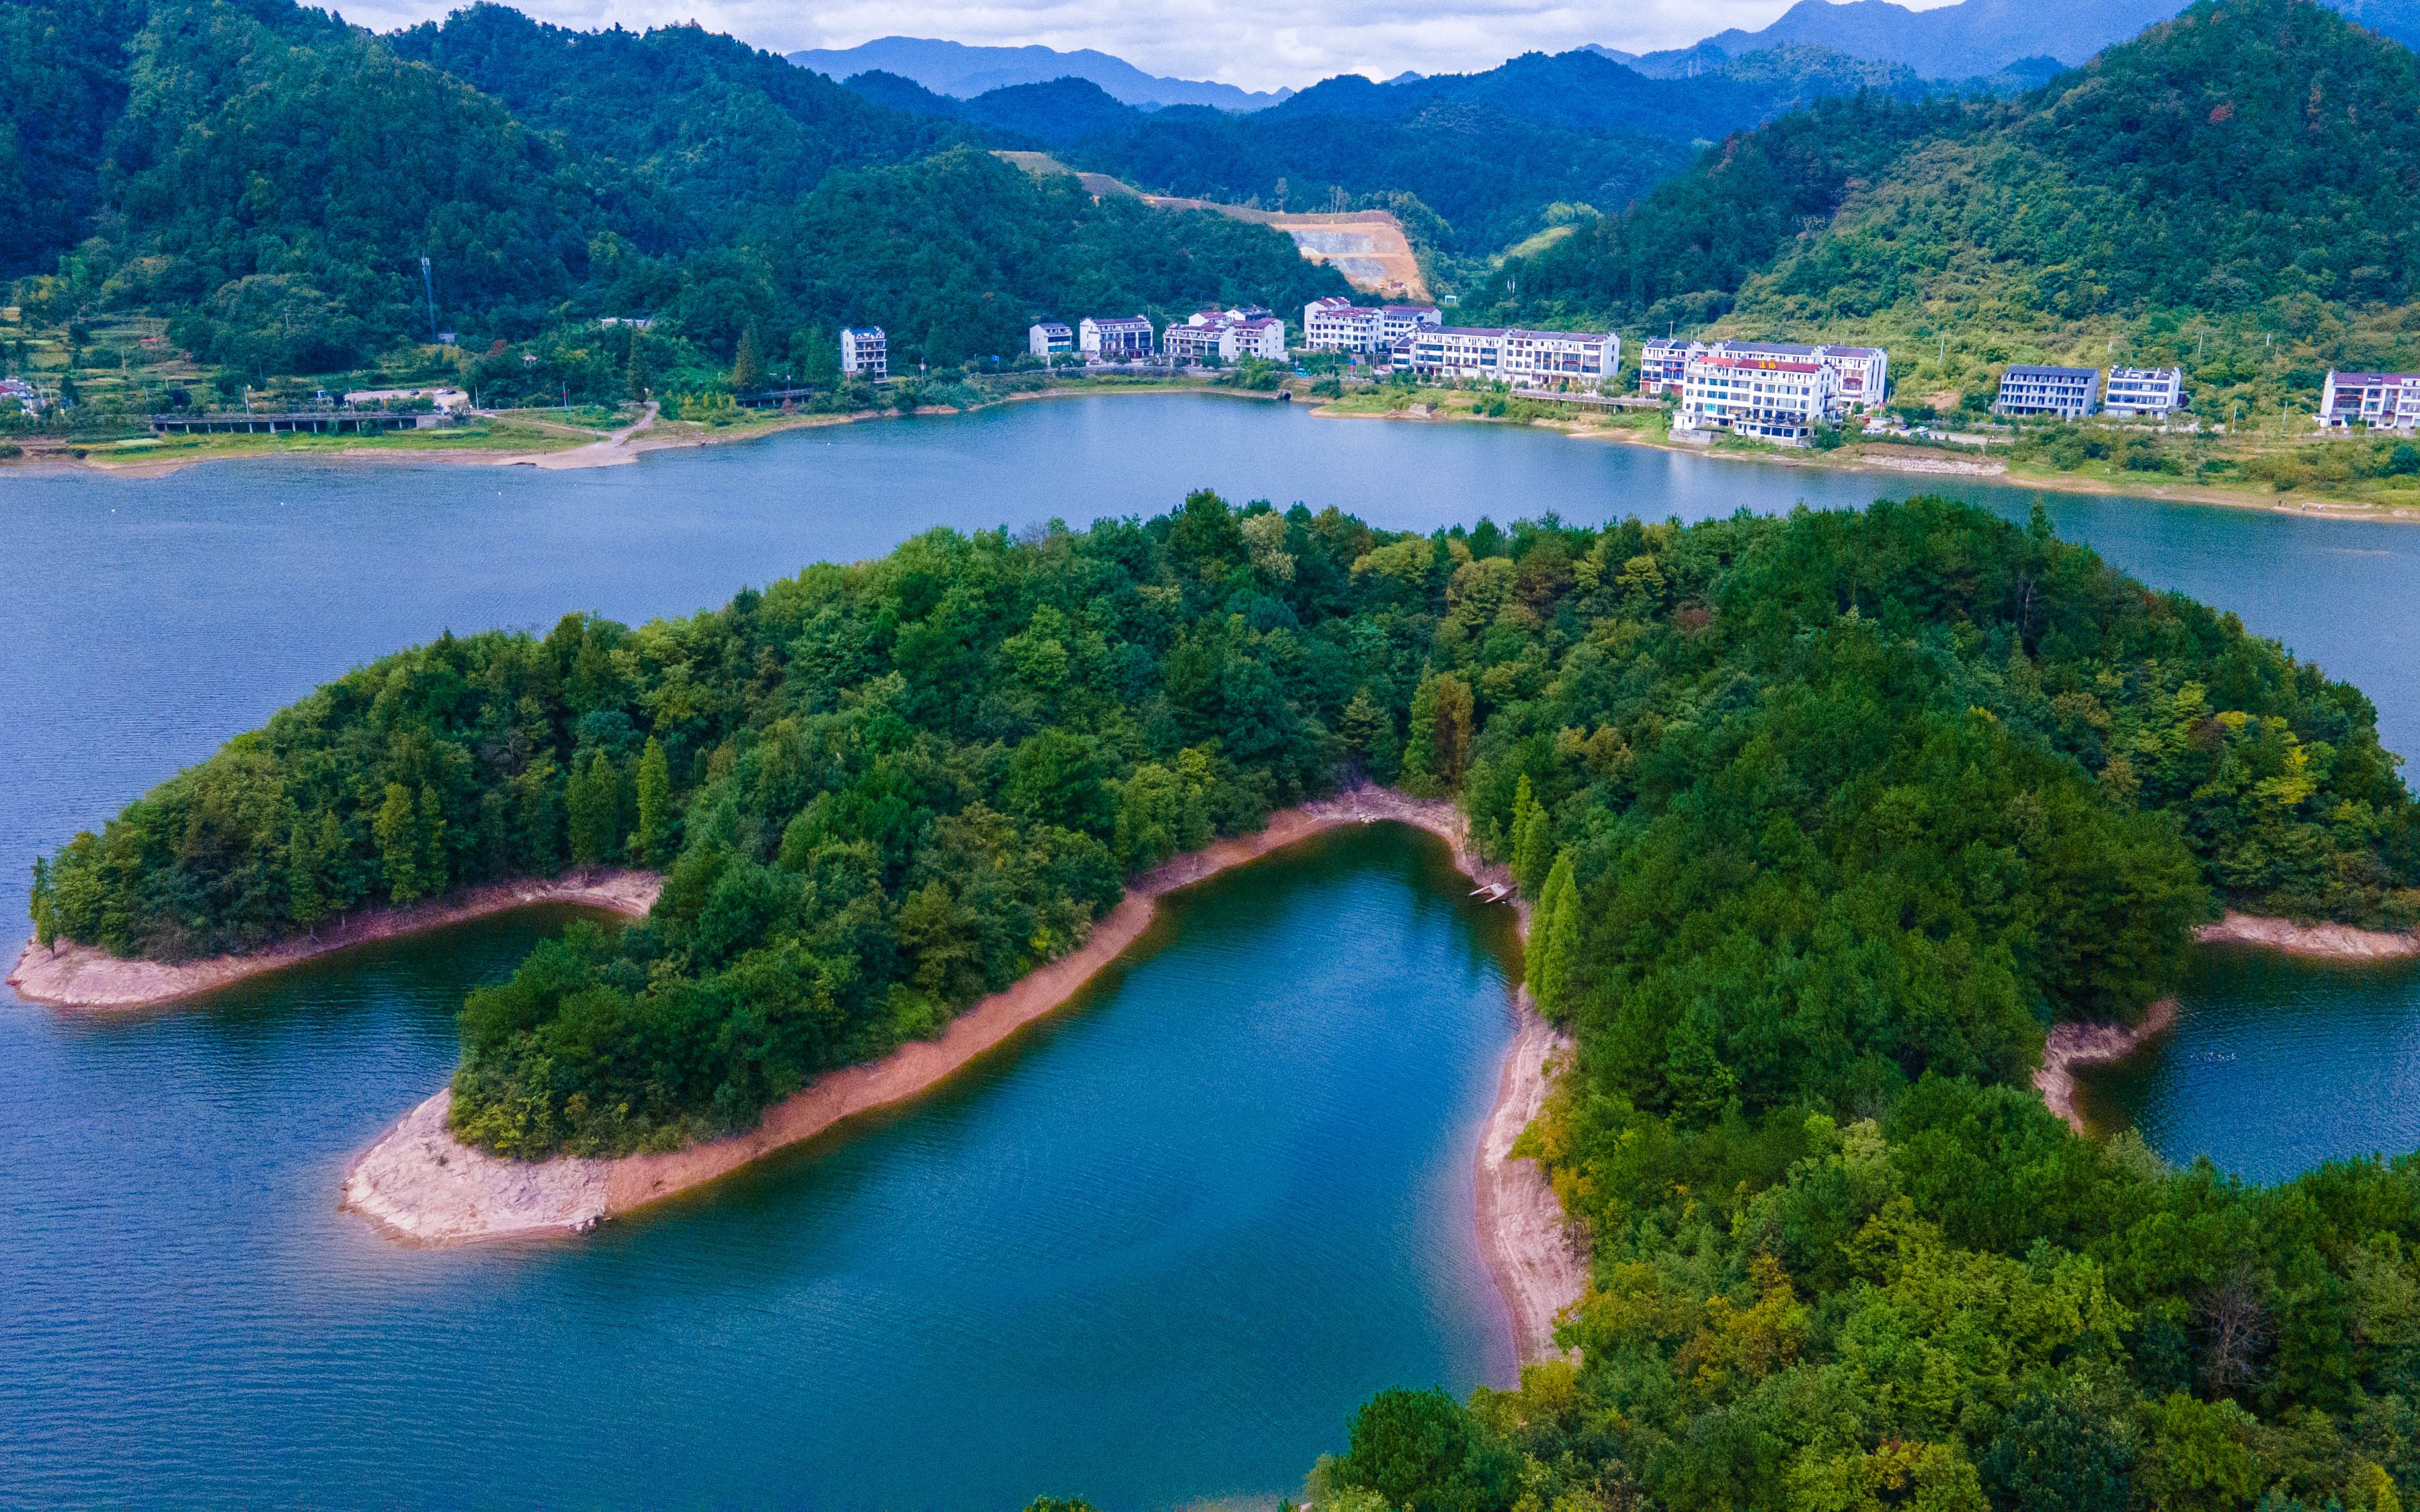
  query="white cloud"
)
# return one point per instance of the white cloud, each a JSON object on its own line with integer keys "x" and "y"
{"x": 1259, "y": 44}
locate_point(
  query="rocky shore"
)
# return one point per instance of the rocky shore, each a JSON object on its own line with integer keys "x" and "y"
{"x": 2070, "y": 1045}
{"x": 2331, "y": 942}
{"x": 86, "y": 977}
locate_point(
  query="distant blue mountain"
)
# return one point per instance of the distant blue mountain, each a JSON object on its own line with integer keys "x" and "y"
{"x": 962, "y": 72}
{"x": 1973, "y": 38}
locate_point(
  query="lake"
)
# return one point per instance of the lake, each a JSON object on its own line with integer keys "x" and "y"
{"x": 1155, "y": 1252}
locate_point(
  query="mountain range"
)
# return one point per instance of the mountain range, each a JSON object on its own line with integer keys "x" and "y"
{"x": 1977, "y": 38}
{"x": 1999, "y": 46}
{"x": 1471, "y": 162}
{"x": 962, "y": 72}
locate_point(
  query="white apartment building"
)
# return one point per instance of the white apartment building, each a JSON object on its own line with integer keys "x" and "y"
{"x": 1049, "y": 338}
{"x": 1338, "y": 325}
{"x": 1262, "y": 336}
{"x": 2385, "y": 401}
{"x": 1117, "y": 338}
{"x": 1246, "y": 330}
{"x": 1861, "y": 373}
{"x": 1779, "y": 399}
{"x": 864, "y": 352}
{"x": 1664, "y": 362}
{"x": 1396, "y": 321}
{"x": 1581, "y": 360}
{"x": 1188, "y": 342}
{"x": 2144, "y": 391}
{"x": 2068, "y": 393}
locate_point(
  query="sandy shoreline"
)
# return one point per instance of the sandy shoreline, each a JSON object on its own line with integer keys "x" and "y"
{"x": 2070, "y": 1045}
{"x": 86, "y": 979}
{"x": 2330, "y": 942}
{"x": 419, "y": 1184}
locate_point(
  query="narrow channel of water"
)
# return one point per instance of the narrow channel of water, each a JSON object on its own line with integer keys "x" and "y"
{"x": 1155, "y": 1256}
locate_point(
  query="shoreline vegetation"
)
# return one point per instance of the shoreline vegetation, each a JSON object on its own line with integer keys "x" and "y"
{"x": 623, "y": 446}
{"x": 87, "y": 978}
{"x": 419, "y": 1184}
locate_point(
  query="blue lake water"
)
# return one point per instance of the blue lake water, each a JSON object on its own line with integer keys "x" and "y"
{"x": 1153, "y": 1253}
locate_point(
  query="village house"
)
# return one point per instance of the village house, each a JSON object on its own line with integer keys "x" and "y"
{"x": 2144, "y": 391}
{"x": 1581, "y": 360}
{"x": 1116, "y": 338}
{"x": 2384, "y": 401}
{"x": 1774, "y": 399}
{"x": 1861, "y": 373}
{"x": 1335, "y": 324}
{"x": 1049, "y": 338}
{"x": 2068, "y": 393}
{"x": 864, "y": 352}
{"x": 1399, "y": 320}
{"x": 1262, "y": 336}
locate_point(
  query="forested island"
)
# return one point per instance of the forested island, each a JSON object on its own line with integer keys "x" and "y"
{"x": 1824, "y": 820}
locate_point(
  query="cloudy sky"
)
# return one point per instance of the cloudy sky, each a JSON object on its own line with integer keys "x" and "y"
{"x": 1260, "y": 44}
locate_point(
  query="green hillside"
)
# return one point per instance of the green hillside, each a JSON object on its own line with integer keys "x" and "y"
{"x": 267, "y": 179}
{"x": 2237, "y": 189}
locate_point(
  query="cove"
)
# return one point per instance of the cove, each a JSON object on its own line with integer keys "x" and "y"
{"x": 185, "y": 1318}
{"x": 2277, "y": 1063}
{"x": 1157, "y": 1248}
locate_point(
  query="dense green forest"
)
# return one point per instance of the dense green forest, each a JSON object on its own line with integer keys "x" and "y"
{"x": 1824, "y": 818}
{"x": 2235, "y": 191}
{"x": 1473, "y": 163}
{"x": 270, "y": 178}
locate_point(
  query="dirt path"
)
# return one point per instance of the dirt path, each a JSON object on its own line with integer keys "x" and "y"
{"x": 611, "y": 452}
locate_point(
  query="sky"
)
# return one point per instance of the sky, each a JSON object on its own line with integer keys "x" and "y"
{"x": 1259, "y": 44}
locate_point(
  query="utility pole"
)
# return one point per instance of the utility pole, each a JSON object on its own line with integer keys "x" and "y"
{"x": 428, "y": 286}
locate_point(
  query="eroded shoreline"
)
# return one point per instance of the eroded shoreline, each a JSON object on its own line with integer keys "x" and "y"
{"x": 86, "y": 979}
{"x": 417, "y": 1183}
{"x": 2071, "y": 1045}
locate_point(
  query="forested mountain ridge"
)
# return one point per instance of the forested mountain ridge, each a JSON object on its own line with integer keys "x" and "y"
{"x": 2252, "y": 166}
{"x": 268, "y": 178}
{"x": 725, "y": 129}
{"x": 1488, "y": 152}
{"x": 1823, "y": 819}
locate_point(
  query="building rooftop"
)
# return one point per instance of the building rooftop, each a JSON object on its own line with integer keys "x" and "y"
{"x": 2365, "y": 379}
{"x": 2025, "y": 371}
{"x": 1761, "y": 363}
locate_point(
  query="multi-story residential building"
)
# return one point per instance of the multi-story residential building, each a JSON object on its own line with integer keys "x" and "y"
{"x": 1049, "y": 338}
{"x": 16, "y": 393}
{"x": 1338, "y": 325}
{"x": 2386, "y": 401}
{"x": 2069, "y": 392}
{"x": 1557, "y": 359}
{"x": 1188, "y": 342}
{"x": 1117, "y": 338}
{"x": 1664, "y": 362}
{"x": 1246, "y": 330}
{"x": 1396, "y": 321}
{"x": 1861, "y": 373}
{"x": 2144, "y": 391}
{"x": 1776, "y": 398}
{"x": 866, "y": 352}
{"x": 1262, "y": 336}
